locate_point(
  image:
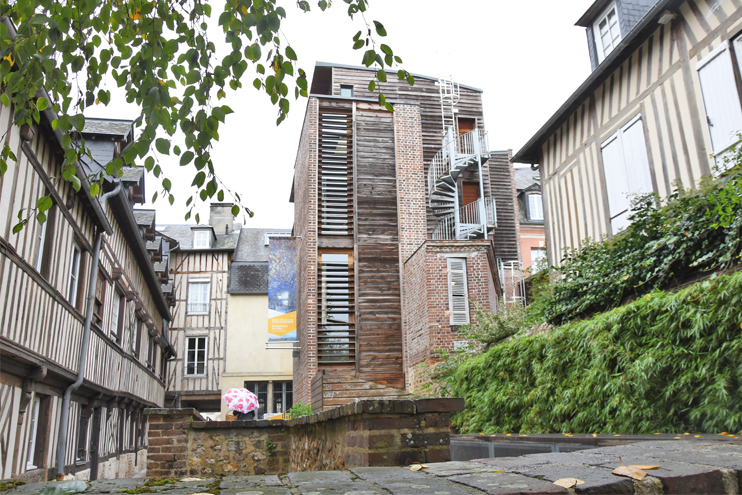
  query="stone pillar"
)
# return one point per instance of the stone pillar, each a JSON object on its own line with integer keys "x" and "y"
{"x": 167, "y": 437}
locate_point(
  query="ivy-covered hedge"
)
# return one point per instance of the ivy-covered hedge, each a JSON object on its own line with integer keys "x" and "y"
{"x": 695, "y": 231}
{"x": 667, "y": 362}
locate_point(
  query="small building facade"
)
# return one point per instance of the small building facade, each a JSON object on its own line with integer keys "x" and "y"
{"x": 531, "y": 219}
{"x": 199, "y": 260}
{"x": 46, "y": 277}
{"x": 251, "y": 362}
{"x": 399, "y": 215}
{"x": 660, "y": 109}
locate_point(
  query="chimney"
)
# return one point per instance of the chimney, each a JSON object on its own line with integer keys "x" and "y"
{"x": 220, "y": 217}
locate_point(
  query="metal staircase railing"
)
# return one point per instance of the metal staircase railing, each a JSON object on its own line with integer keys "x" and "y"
{"x": 470, "y": 221}
{"x": 464, "y": 150}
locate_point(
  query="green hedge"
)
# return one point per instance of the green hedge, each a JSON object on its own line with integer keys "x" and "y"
{"x": 668, "y": 362}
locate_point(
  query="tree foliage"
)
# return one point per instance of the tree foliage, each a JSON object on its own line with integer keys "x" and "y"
{"x": 160, "y": 53}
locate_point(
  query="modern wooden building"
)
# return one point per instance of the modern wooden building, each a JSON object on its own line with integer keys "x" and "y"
{"x": 198, "y": 264}
{"x": 661, "y": 108}
{"x": 47, "y": 275}
{"x": 399, "y": 216}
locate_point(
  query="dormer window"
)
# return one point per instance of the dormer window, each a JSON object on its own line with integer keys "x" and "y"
{"x": 535, "y": 208}
{"x": 607, "y": 32}
{"x": 201, "y": 239}
{"x": 346, "y": 90}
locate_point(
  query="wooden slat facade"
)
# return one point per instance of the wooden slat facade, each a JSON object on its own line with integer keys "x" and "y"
{"x": 42, "y": 325}
{"x": 658, "y": 81}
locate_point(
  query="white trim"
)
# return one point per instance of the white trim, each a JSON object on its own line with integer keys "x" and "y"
{"x": 725, "y": 45}
{"x": 195, "y": 362}
{"x": 206, "y": 303}
{"x": 599, "y": 48}
{"x": 34, "y": 430}
{"x": 73, "y": 278}
{"x": 202, "y": 235}
{"x": 40, "y": 250}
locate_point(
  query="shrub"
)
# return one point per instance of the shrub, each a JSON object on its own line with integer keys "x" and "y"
{"x": 299, "y": 409}
{"x": 667, "y": 362}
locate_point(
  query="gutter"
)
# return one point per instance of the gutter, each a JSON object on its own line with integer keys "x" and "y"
{"x": 529, "y": 152}
{"x": 79, "y": 171}
{"x": 93, "y": 281}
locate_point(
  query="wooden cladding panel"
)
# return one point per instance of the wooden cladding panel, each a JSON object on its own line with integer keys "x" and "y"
{"x": 335, "y": 172}
{"x": 379, "y": 300}
{"x": 505, "y": 240}
{"x": 336, "y": 309}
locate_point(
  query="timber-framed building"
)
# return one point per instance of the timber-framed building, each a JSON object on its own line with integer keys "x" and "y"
{"x": 47, "y": 275}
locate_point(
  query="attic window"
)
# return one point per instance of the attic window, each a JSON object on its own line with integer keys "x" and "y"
{"x": 607, "y": 32}
{"x": 201, "y": 239}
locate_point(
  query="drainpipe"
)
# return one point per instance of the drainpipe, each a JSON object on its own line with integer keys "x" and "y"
{"x": 62, "y": 442}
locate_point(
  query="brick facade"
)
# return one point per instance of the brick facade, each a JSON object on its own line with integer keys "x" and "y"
{"x": 427, "y": 326}
{"x": 305, "y": 226}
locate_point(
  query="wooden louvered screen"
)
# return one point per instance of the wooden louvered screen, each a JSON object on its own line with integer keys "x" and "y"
{"x": 458, "y": 293}
{"x": 336, "y": 306}
{"x": 335, "y": 173}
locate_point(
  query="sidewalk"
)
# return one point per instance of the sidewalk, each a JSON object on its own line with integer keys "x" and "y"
{"x": 686, "y": 467}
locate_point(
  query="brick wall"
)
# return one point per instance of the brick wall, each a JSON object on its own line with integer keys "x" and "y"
{"x": 305, "y": 225}
{"x": 363, "y": 433}
{"x": 428, "y": 327}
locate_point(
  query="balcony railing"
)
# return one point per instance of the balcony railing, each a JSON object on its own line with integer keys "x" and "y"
{"x": 470, "y": 223}
{"x": 198, "y": 307}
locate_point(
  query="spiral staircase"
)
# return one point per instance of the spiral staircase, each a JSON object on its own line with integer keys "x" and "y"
{"x": 458, "y": 154}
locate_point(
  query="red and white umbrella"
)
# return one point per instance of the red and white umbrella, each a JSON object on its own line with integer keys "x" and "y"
{"x": 241, "y": 399}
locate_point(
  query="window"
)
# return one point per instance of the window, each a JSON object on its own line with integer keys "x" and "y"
{"x": 45, "y": 243}
{"x": 607, "y": 33}
{"x": 336, "y": 305}
{"x": 721, "y": 97}
{"x": 82, "y": 435}
{"x": 535, "y": 207}
{"x": 41, "y": 244}
{"x": 32, "y": 434}
{"x": 195, "y": 356}
{"x": 198, "y": 297}
{"x": 74, "y": 275}
{"x": 261, "y": 390}
{"x": 100, "y": 296}
{"x": 201, "y": 239}
{"x": 151, "y": 352}
{"x": 268, "y": 235}
{"x": 346, "y": 90}
{"x": 137, "y": 340}
{"x": 283, "y": 396}
{"x": 538, "y": 257}
{"x": 118, "y": 310}
{"x": 626, "y": 171}
{"x": 458, "y": 294}
{"x": 163, "y": 365}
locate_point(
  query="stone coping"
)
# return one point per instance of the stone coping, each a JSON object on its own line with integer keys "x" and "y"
{"x": 597, "y": 440}
{"x": 391, "y": 406}
{"x": 174, "y": 411}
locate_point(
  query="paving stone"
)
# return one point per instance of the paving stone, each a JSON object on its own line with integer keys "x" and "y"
{"x": 510, "y": 463}
{"x": 330, "y": 483}
{"x": 597, "y": 480}
{"x": 508, "y": 483}
{"x": 402, "y": 481}
{"x": 306, "y": 477}
{"x": 377, "y": 473}
{"x": 253, "y": 485}
{"x": 680, "y": 477}
{"x": 452, "y": 468}
{"x": 572, "y": 458}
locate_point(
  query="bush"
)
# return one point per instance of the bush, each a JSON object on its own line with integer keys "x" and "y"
{"x": 300, "y": 409}
{"x": 667, "y": 362}
{"x": 694, "y": 232}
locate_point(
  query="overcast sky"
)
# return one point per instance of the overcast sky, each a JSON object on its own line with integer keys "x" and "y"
{"x": 527, "y": 57}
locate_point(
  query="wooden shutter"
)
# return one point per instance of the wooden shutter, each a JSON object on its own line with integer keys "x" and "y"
{"x": 720, "y": 97}
{"x": 335, "y": 173}
{"x": 458, "y": 293}
{"x": 635, "y": 157}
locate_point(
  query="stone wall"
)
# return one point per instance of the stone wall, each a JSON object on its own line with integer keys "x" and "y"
{"x": 364, "y": 433}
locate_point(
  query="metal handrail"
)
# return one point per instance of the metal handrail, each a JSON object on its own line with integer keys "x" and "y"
{"x": 468, "y": 215}
{"x": 464, "y": 147}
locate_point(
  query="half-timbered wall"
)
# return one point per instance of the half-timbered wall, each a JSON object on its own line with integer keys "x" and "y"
{"x": 195, "y": 265}
{"x": 41, "y": 323}
{"x": 658, "y": 82}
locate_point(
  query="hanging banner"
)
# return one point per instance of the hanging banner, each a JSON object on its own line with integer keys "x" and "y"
{"x": 282, "y": 289}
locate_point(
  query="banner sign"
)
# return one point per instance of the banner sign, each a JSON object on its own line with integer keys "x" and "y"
{"x": 282, "y": 289}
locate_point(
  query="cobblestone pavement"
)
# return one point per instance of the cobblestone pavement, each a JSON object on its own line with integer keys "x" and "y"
{"x": 686, "y": 467}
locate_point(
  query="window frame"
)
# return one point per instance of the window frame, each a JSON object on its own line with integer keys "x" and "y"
{"x": 73, "y": 277}
{"x": 136, "y": 345}
{"x": 33, "y": 434}
{"x": 599, "y": 48}
{"x": 347, "y": 87}
{"x": 268, "y": 235}
{"x": 451, "y": 284}
{"x": 530, "y": 207}
{"x": 206, "y": 237}
{"x": 81, "y": 452}
{"x": 195, "y": 363}
{"x": 191, "y": 283}
{"x": 253, "y": 386}
{"x": 283, "y": 393}
{"x": 118, "y": 307}
{"x": 99, "y": 303}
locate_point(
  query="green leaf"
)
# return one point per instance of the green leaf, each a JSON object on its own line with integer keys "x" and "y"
{"x": 75, "y": 183}
{"x": 235, "y": 210}
{"x": 372, "y": 86}
{"x": 42, "y": 104}
{"x": 45, "y": 203}
{"x": 186, "y": 158}
{"x": 381, "y": 75}
{"x": 220, "y": 195}
{"x": 77, "y": 121}
{"x": 94, "y": 189}
{"x": 18, "y": 227}
{"x": 5, "y": 100}
{"x": 166, "y": 184}
{"x": 290, "y": 53}
{"x": 380, "y": 28}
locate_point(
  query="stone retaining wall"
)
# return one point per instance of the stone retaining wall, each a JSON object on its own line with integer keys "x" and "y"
{"x": 363, "y": 433}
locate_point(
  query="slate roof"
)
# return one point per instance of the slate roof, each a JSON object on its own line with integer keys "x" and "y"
{"x": 525, "y": 178}
{"x": 155, "y": 245}
{"x": 184, "y": 235}
{"x": 144, "y": 218}
{"x": 248, "y": 277}
{"x": 132, "y": 174}
{"x": 160, "y": 266}
{"x": 251, "y": 246}
{"x": 109, "y": 127}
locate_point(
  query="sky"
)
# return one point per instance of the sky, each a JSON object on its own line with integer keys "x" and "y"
{"x": 527, "y": 57}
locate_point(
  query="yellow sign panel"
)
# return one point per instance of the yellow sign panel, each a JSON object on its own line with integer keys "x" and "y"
{"x": 282, "y": 325}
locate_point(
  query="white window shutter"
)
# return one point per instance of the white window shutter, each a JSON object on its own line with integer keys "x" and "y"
{"x": 615, "y": 177}
{"x": 458, "y": 293}
{"x": 635, "y": 156}
{"x": 720, "y": 97}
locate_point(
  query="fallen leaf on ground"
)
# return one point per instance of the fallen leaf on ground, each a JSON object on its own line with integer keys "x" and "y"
{"x": 568, "y": 482}
{"x": 199, "y": 493}
{"x": 191, "y": 479}
{"x": 630, "y": 472}
{"x": 417, "y": 467}
{"x": 645, "y": 467}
